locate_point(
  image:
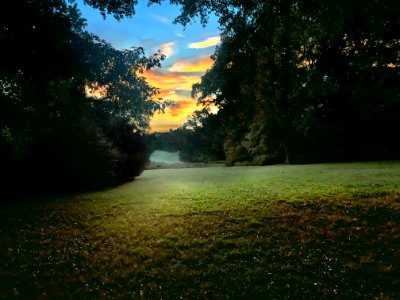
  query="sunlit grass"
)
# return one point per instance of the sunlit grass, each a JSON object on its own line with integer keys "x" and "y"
{"x": 310, "y": 231}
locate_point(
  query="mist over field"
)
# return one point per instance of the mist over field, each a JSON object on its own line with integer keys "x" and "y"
{"x": 159, "y": 156}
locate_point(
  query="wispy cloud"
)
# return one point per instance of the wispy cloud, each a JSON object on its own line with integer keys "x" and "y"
{"x": 163, "y": 19}
{"x": 192, "y": 65}
{"x": 147, "y": 43}
{"x": 174, "y": 116}
{"x": 182, "y": 106}
{"x": 167, "y": 49}
{"x": 212, "y": 41}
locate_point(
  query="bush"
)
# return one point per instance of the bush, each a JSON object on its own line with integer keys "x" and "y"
{"x": 131, "y": 154}
{"x": 66, "y": 162}
{"x": 73, "y": 158}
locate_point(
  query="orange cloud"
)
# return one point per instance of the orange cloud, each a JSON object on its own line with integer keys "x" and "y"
{"x": 176, "y": 86}
{"x": 173, "y": 117}
{"x": 189, "y": 66}
{"x": 212, "y": 41}
{"x": 170, "y": 82}
{"x": 182, "y": 105}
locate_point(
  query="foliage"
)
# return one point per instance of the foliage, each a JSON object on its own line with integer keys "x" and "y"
{"x": 166, "y": 141}
{"x": 51, "y": 133}
{"x": 304, "y": 81}
{"x": 203, "y": 139}
{"x": 130, "y": 151}
{"x": 307, "y": 232}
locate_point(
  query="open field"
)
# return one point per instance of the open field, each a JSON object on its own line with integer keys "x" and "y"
{"x": 299, "y": 232}
{"x": 159, "y": 156}
{"x": 170, "y": 160}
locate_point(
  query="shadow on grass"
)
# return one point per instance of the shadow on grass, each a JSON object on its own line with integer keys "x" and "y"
{"x": 298, "y": 250}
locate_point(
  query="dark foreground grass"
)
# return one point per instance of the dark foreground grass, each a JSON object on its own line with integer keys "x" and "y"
{"x": 327, "y": 231}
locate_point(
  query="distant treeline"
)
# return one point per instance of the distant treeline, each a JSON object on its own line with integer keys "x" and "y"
{"x": 199, "y": 140}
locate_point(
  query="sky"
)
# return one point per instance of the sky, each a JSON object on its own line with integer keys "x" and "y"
{"x": 187, "y": 51}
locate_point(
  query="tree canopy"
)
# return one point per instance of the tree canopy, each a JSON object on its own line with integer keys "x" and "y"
{"x": 53, "y": 134}
{"x": 304, "y": 81}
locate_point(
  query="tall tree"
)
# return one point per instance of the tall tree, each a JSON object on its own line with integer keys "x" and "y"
{"x": 318, "y": 78}
{"x": 51, "y": 134}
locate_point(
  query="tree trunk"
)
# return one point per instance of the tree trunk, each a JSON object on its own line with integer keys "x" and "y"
{"x": 287, "y": 162}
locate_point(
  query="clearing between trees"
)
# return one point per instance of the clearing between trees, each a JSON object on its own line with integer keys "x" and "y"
{"x": 284, "y": 231}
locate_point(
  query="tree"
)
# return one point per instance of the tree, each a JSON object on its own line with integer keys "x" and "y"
{"x": 202, "y": 137}
{"x": 309, "y": 80}
{"x": 52, "y": 135}
{"x": 259, "y": 87}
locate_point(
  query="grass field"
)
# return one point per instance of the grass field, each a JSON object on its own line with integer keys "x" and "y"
{"x": 276, "y": 232}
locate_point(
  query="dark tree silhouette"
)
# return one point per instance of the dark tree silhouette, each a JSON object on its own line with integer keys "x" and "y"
{"x": 305, "y": 81}
{"x": 52, "y": 135}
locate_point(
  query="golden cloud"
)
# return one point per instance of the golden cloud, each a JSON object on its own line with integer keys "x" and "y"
{"x": 212, "y": 41}
{"x": 173, "y": 117}
{"x": 180, "y": 106}
{"x": 169, "y": 82}
{"x": 177, "y": 87}
{"x": 187, "y": 66}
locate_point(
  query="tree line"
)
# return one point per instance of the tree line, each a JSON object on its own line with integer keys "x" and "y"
{"x": 301, "y": 81}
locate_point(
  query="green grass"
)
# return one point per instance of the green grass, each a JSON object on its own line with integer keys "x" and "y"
{"x": 310, "y": 231}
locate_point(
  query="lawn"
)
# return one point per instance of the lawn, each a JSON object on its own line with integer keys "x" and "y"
{"x": 296, "y": 231}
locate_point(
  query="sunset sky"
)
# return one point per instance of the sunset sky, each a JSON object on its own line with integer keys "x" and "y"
{"x": 188, "y": 52}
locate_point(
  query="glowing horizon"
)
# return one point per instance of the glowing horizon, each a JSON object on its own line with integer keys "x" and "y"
{"x": 175, "y": 83}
